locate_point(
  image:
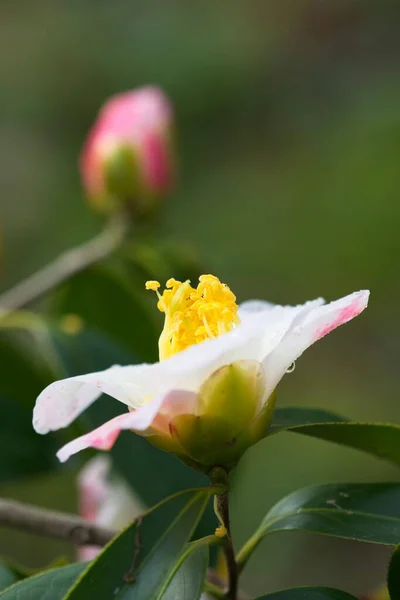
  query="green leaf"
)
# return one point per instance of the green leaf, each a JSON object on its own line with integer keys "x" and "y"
{"x": 379, "y": 439}
{"x": 22, "y": 451}
{"x": 309, "y": 593}
{"x": 290, "y": 417}
{"x": 187, "y": 582}
{"x": 393, "y": 577}
{"x": 107, "y": 301}
{"x": 48, "y": 585}
{"x": 141, "y": 562}
{"x": 25, "y": 372}
{"x": 362, "y": 512}
{"x": 7, "y": 576}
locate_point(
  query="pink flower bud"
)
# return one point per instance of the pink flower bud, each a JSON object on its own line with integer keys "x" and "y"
{"x": 128, "y": 156}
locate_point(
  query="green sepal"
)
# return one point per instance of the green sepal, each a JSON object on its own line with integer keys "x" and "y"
{"x": 121, "y": 173}
{"x": 263, "y": 420}
{"x": 226, "y": 423}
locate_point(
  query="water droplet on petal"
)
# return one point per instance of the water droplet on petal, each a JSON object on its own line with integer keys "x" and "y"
{"x": 291, "y": 368}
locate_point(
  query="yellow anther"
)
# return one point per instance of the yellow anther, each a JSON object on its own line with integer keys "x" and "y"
{"x": 193, "y": 315}
{"x": 172, "y": 283}
{"x": 221, "y": 531}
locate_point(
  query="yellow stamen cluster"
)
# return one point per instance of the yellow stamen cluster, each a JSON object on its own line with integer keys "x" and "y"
{"x": 193, "y": 315}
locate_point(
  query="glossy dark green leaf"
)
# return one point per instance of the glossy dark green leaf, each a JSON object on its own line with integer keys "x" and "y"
{"x": 393, "y": 576}
{"x": 48, "y": 585}
{"x": 188, "y": 581}
{"x": 362, "y": 512}
{"x": 28, "y": 361}
{"x": 379, "y": 439}
{"x": 7, "y": 576}
{"x": 289, "y": 417}
{"x": 24, "y": 373}
{"x": 140, "y": 562}
{"x": 106, "y": 300}
{"x": 22, "y": 451}
{"x": 309, "y": 593}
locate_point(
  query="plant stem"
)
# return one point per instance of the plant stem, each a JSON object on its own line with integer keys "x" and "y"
{"x": 222, "y": 505}
{"x": 71, "y": 262}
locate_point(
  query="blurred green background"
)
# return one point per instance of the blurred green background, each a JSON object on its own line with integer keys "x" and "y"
{"x": 289, "y": 144}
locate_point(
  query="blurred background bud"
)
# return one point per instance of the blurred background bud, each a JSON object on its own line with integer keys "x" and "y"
{"x": 127, "y": 157}
{"x": 104, "y": 500}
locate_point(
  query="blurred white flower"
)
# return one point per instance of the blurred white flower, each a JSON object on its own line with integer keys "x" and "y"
{"x": 104, "y": 500}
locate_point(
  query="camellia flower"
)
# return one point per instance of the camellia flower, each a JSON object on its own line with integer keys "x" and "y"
{"x": 211, "y": 396}
{"x": 104, "y": 500}
{"x": 128, "y": 156}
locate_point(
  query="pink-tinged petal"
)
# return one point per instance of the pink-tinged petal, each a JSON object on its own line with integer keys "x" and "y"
{"x": 309, "y": 326}
{"x": 178, "y": 402}
{"x": 86, "y": 553}
{"x": 104, "y": 499}
{"x": 141, "y": 419}
{"x": 157, "y": 163}
{"x": 63, "y": 401}
{"x": 338, "y": 313}
{"x": 93, "y": 486}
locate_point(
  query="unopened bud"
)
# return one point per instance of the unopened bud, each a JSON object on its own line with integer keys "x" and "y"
{"x": 128, "y": 158}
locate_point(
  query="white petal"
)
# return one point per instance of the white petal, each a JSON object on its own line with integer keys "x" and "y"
{"x": 277, "y": 322}
{"x": 253, "y": 306}
{"x": 63, "y": 401}
{"x": 310, "y": 324}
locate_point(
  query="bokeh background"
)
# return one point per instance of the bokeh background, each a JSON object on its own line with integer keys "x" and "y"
{"x": 288, "y": 124}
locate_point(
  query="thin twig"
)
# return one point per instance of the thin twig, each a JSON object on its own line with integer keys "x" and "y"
{"x": 53, "y": 524}
{"x": 233, "y": 574}
{"x": 71, "y": 262}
